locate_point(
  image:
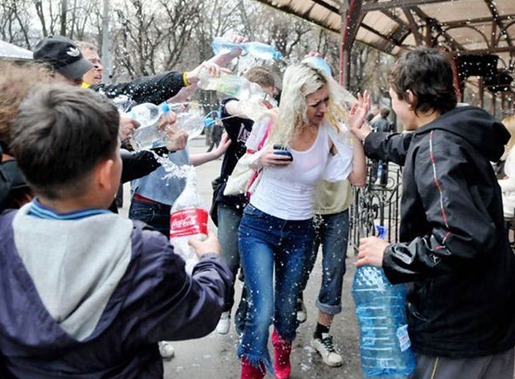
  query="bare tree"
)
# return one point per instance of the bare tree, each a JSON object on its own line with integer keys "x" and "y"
{"x": 149, "y": 39}
{"x": 14, "y": 23}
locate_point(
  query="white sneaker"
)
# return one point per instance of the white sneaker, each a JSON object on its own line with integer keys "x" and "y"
{"x": 326, "y": 349}
{"x": 302, "y": 313}
{"x": 224, "y": 323}
{"x": 166, "y": 350}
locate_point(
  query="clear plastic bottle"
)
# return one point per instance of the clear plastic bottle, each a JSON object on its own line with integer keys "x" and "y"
{"x": 380, "y": 309}
{"x": 256, "y": 49}
{"x": 188, "y": 219}
{"x": 147, "y": 135}
{"x": 231, "y": 85}
{"x": 319, "y": 63}
{"x": 191, "y": 120}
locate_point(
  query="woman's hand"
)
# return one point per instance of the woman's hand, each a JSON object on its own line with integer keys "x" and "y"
{"x": 357, "y": 117}
{"x": 270, "y": 159}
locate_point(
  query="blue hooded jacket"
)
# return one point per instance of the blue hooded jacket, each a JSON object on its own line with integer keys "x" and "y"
{"x": 91, "y": 298}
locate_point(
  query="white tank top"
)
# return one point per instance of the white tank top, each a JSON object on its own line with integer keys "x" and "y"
{"x": 288, "y": 192}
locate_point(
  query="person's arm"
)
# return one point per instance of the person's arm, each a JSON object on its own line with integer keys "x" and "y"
{"x": 219, "y": 59}
{"x": 170, "y": 304}
{"x": 358, "y": 176}
{"x": 200, "y": 159}
{"x": 147, "y": 89}
{"x": 387, "y": 146}
{"x": 461, "y": 228}
{"x": 137, "y": 164}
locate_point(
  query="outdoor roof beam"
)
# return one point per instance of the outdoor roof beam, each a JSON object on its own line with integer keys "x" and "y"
{"x": 398, "y": 4}
{"x": 352, "y": 18}
{"x": 419, "y": 40}
{"x": 481, "y": 20}
{"x": 452, "y": 42}
{"x": 493, "y": 10}
{"x": 290, "y": 11}
{"x": 329, "y": 7}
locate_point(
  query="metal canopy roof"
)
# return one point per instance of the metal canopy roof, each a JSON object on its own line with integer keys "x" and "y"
{"x": 463, "y": 26}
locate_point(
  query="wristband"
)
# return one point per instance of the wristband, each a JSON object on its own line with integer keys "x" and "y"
{"x": 185, "y": 80}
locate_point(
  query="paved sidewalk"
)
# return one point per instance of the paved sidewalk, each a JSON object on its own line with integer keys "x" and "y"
{"x": 214, "y": 356}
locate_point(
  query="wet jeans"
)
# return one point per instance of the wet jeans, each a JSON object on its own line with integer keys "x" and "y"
{"x": 155, "y": 214}
{"x": 332, "y": 231}
{"x": 268, "y": 243}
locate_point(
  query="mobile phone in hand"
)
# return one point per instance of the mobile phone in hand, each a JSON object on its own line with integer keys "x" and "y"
{"x": 281, "y": 150}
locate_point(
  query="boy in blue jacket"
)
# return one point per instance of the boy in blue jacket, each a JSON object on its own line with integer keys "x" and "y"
{"x": 84, "y": 292}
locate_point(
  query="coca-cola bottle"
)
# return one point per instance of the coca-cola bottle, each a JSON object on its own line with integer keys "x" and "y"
{"x": 188, "y": 219}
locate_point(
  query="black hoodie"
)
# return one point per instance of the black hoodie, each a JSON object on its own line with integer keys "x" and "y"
{"x": 453, "y": 242}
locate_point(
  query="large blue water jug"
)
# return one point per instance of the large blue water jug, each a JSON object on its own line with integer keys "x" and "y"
{"x": 380, "y": 309}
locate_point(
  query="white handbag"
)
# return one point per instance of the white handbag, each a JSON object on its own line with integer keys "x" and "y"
{"x": 244, "y": 178}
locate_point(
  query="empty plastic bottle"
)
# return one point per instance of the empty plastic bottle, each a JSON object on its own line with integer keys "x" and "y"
{"x": 380, "y": 309}
{"x": 256, "y": 49}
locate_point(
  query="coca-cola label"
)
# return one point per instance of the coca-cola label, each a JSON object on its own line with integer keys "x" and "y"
{"x": 188, "y": 222}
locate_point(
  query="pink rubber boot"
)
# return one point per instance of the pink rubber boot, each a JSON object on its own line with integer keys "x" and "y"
{"x": 250, "y": 372}
{"x": 282, "y": 350}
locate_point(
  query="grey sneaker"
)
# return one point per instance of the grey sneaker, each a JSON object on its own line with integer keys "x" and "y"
{"x": 325, "y": 348}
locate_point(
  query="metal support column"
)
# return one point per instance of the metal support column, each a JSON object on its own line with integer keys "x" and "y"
{"x": 351, "y": 20}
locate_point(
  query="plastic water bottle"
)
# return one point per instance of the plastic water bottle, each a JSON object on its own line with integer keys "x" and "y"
{"x": 147, "y": 135}
{"x": 319, "y": 63}
{"x": 191, "y": 120}
{"x": 231, "y": 85}
{"x": 380, "y": 309}
{"x": 256, "y": 49}
{"x": 188, "y": 219}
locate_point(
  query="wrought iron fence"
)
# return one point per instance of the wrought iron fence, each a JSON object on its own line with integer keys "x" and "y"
{"x": 378, "y": 203}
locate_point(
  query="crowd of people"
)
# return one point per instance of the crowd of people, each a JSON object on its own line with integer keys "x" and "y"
{"x": 87, "y": 293}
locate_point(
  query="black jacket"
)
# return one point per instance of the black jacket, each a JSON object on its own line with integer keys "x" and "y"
{"x": 453, "y": 242}
{"x": 147, "y": 89}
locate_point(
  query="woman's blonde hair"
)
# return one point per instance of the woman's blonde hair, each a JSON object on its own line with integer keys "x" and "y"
{"x": 16, "y": 81}
{"x": 301, "y": 80}
{"x": 509, "y": 123}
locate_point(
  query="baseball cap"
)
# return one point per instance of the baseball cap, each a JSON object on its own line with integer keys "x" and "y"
{"x": 63, "y": 55}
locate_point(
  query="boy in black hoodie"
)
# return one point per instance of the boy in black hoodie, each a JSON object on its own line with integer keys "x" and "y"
{"x": 453, "y": 245}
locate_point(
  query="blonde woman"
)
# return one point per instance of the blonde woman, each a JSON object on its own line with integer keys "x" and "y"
{"x": 508, "y": 183}
{"x": 276, "y": 231}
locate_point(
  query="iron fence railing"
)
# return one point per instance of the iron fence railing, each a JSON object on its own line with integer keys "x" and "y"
{"x": 378, "y": 203}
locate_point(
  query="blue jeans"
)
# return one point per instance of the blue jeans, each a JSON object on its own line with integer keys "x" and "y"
{"x": 332, "y": 231}
{"x": 228, "y": 223}
{"x": 266, "y": 241}
{"x": 157, "y": 215}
